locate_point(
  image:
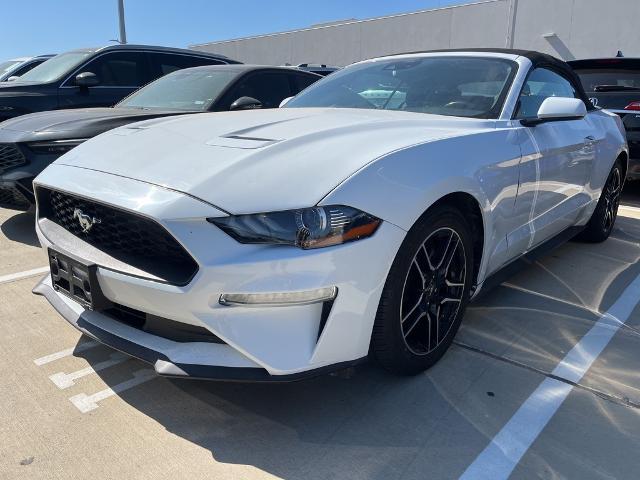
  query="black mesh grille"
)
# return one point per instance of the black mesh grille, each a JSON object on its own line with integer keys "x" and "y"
{"x": 13, "y": 198}
{"x": 131, "y": 238}
{"x": 10, "y": 156}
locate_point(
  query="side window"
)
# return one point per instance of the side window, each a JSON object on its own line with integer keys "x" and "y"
{"x": 303, "y": 81}
{"x": 542, "y": 84}
{"x": 270, "y": 88}
{"x": 119, "y": 69}
{"x": 164, "y": 63}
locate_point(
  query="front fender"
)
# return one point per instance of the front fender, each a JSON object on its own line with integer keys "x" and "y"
{"x": 401, "y": 186}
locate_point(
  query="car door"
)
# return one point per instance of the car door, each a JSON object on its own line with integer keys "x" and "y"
{"x": 268, "y": 86}
{"x": 557, "y": 159}
{"x": 119, "y": 74}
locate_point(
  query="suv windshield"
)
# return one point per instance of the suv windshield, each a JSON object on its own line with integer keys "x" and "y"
{"x": 190, "y": 90}
{"x": 55, "y": 67}
{"x": 442, "y": 85}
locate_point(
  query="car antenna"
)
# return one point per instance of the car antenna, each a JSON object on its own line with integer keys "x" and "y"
{"x": 619, "y": 54}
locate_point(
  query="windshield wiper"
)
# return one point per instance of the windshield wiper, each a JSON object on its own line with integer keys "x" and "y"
{"x": 615, "y": 88}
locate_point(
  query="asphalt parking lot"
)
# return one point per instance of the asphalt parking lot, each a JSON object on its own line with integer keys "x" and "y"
{"x": 542, "y": 379}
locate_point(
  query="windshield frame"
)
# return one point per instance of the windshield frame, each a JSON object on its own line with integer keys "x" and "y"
{"x": 495, "y": 113}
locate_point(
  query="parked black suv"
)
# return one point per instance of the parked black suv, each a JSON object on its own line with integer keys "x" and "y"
{"x": 31, "y": 142}
{"x": 614, "y": 84}
{"x": 95, "y": 77}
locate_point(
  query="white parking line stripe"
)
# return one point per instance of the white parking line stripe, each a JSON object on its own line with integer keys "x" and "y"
{"x": 65, "y": 380}
{"x": 12, "y": 277}
{"x": 502, "y": 455}
{"x": 65, "y": 353}
{"x": 628, "y": 208}
{"x": 85, "y": 403}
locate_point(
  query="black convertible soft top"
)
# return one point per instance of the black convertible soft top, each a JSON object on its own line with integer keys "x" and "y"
{"x": 538, "y": 59}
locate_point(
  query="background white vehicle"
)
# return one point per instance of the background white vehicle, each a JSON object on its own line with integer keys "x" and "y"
{"x": 276, "y": 244}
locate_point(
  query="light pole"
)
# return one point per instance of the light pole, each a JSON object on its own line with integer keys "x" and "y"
{"x": 123, "y": 32}
{"x": 511, "y": 26}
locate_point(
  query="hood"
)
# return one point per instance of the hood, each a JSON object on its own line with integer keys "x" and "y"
{"x": 18, "y": 87}
{"x": 253, "y": 161}
{"x": 74, "y": 123}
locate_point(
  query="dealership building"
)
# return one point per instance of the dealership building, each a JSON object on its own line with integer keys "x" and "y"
{"x": 568, "y": 29}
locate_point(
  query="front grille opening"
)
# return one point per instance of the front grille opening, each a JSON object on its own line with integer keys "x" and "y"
{"x": 131, "y": 238}
{"x": 13, "y": 198}
{"x": 10, "y": 157}
{"x": 161, "y": 327}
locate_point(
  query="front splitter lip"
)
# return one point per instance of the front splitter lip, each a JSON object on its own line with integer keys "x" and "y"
{"x": 163, "y": 366}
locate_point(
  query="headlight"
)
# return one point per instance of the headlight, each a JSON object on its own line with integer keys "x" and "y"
{"x": 55, "y": 146}
{"x": 306, "y": 228}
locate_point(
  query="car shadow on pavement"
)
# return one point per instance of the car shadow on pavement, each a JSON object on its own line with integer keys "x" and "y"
{"x": 361, "y": 423}
{"x": 367, "y": 423}
{"x": 21, "y": 228}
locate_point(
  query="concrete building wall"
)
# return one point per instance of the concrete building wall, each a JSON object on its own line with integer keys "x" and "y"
{"x": 565, "y": 28}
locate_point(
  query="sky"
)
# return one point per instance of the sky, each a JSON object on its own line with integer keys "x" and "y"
{"x": 32, "y": 27}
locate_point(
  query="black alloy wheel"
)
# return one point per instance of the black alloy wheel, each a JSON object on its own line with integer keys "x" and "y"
{"x": 425, "y": 294}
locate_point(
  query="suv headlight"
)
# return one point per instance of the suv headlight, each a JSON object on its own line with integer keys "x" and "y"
{"x": 55, "y": 146}
{"x": 306, "y": 228}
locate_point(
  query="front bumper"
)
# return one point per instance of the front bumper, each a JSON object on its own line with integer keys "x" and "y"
{"x": 168, "y": 358}
{"x": 259, "y": 343}
{"x": 15, "y": 196}
{"x": 16, "y": 189}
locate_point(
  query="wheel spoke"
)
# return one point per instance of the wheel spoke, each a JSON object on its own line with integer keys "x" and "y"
{"x": 415, "y": 262}
{"x": 449, "y": 252}
{"x": 413, "y": 309}
{"x": 428, "y": 258}
{"x": 413, "y": 325}
{"x": 450, "y": 300}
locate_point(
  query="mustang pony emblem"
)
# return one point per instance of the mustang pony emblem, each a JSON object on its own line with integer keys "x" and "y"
{"x": 86, "y": 221}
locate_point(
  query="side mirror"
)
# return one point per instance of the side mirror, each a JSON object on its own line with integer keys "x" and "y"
{"x": 558, "y": 109}
{"x": 284, "y": 102}
{"x": 246, "y": 103}
{"x": 87, "y": 79}
{"x": 12, "y": 78}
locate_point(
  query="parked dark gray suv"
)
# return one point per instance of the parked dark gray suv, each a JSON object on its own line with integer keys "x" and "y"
{"x": 95, "y": 77}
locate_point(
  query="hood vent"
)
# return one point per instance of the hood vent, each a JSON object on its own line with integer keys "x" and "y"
{"x": 239, "y": 141}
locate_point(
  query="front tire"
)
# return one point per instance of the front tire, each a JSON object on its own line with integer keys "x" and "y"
{"x": 425, "y": 294}
{"x": 604, "y": 216}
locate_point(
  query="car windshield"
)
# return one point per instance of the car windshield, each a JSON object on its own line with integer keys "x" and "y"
{"x": 55, "y": 67}
{"x": 191, "y": 90}
{"x": 442, "y": 85}
{"x": 6, "y": 67}
{"x": 596, "y": 80}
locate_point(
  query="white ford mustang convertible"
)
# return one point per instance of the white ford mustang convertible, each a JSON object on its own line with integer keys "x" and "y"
{"x": 356, "y": 221}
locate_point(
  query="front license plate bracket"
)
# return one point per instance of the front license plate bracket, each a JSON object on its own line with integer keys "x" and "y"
{"x": 77, "y": 280}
